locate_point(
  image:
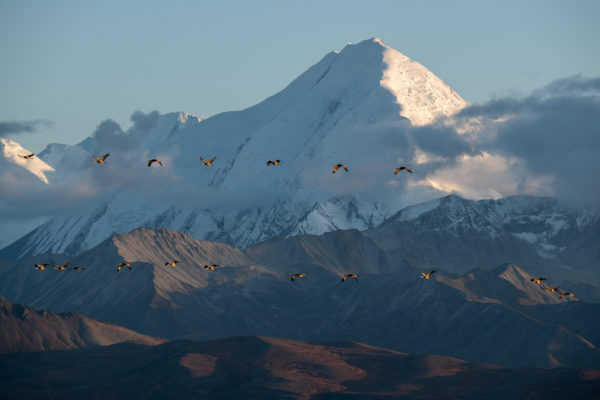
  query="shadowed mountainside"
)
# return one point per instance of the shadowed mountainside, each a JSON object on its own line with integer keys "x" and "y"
{"x": 482, "y": 316}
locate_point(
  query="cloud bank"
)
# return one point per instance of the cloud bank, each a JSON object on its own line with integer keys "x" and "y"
{"x": 546, "y": 143}
{"x": 11, "y": 128}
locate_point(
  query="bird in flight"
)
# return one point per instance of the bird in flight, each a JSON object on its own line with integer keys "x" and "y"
{"x": 27, "y": 156}
{"x": 78, "y": 268}
{"x": 349, "y": 276}
{"x": 211, "y": 267}
{"x": 298, "y": 276}
{"x": 338, "y": 166}
{"x": 567, "y": 294}
{"x": 538, "y": 280}
{"x": 171, "y": 264}
{"x": 553, "y": 290}
{"x": 209, "y": 162}
{"x": 154, "y": 160}
{"x": 123, "y": 265}
{"x": 276, "y": 162}
{"x": 41, "y": 267}
{"x": 61, "y": 267}
{"x": 101, "y": 159}
{"x": 427, "y": 275}
{"x": 402, "y": 168}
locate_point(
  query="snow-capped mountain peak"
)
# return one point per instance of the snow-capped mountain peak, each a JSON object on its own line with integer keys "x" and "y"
{"x": 12, "y": 153}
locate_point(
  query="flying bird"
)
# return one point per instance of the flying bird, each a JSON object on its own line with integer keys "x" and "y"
{"x": 27, "y": 156}
{"x": 209, "y": 162}
{"x": 61, "y": 267}
{"x": 154, "y": 160}
{"x": 567, "y": 294}
{"x": 101, "y": 159}
{"x": 276, "y": 162}
{"x": 339, "y": 166}
{"x": 298, "y": 276}
{"x": 78, "y": 268}
{"x": 123, "y": 265}
{"x": 538, "y": 280}
{"x": 171, "y": 264}
{"x": 211, "y": 267}
{"x": 553, "y": 290}
{"x": 402, "y": 168}
{"x": 427, "y": 275}
{"x": 41, "y": 267}
{"x": 349, "y": 276}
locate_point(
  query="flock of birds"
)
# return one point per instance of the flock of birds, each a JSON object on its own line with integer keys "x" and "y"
{"x": 209, "y": 163}
{"x": 556, "y": 289}
{"x": 102, "y": 160}
{"x": 212, "y": 267}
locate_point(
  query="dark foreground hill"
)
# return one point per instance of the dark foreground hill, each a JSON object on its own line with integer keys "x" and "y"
{"x": 269, "y": 368}
{"x": 25, "y": 329}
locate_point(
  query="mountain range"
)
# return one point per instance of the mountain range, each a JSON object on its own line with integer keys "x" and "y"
{"x": 459, "y": 314}
{"x": 349, "y": 107}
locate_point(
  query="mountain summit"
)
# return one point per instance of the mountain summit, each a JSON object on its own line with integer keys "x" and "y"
{"x": 354, "y": 106}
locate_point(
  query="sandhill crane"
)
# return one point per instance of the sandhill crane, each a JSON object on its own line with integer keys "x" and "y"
{"x": 27, "y": 156}
{"x": 338, "y": 166}
{"x": 123, "y": 264}
{"x": 349, "y": 276}
{"x": 78, "y": 268}
{"x": 276, "y": 162}
{"x": 402, "y": 169}
{"x": 61, "y": 267}
{"x": 209, "y": 162}
{"x": 427, "y": 275}
{"x": 101, "y": 159}
{"x": 298, "y": 276}
{"x": 538, "y": 280}
{"x": 171, "y": 264}
{"x": 154, "y": 160}
{"x": 566, "y": 294}
{"x": 211, "y": 267}
{"x": 553, "y": 290}
{"x": 41, "y": 267}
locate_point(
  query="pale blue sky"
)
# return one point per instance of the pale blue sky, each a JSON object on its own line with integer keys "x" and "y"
{"x": 79, "y": 62}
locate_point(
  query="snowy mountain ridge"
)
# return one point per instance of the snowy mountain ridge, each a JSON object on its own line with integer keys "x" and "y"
{"x": 351, "y": 107}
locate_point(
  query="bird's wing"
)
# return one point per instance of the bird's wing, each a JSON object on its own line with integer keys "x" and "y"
{"x": 212, "y": 159}
{"x": 150, "y": 162}
{"x": 409, "y": 170}
{"x": 159, "y": 162}
{"x": 335, "y": 169}
{"x": 104, "y": 156}
{"x": 346, "y": 168}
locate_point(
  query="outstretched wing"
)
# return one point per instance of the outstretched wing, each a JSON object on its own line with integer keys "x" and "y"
{"x": 346, "y": 168}
{"x": 104, "y": 156}
{"x": 335, "y": 168}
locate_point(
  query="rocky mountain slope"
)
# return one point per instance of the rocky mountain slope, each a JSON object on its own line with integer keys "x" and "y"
{"x": 25, "y": 329}
{"x": 465, "y": 315}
